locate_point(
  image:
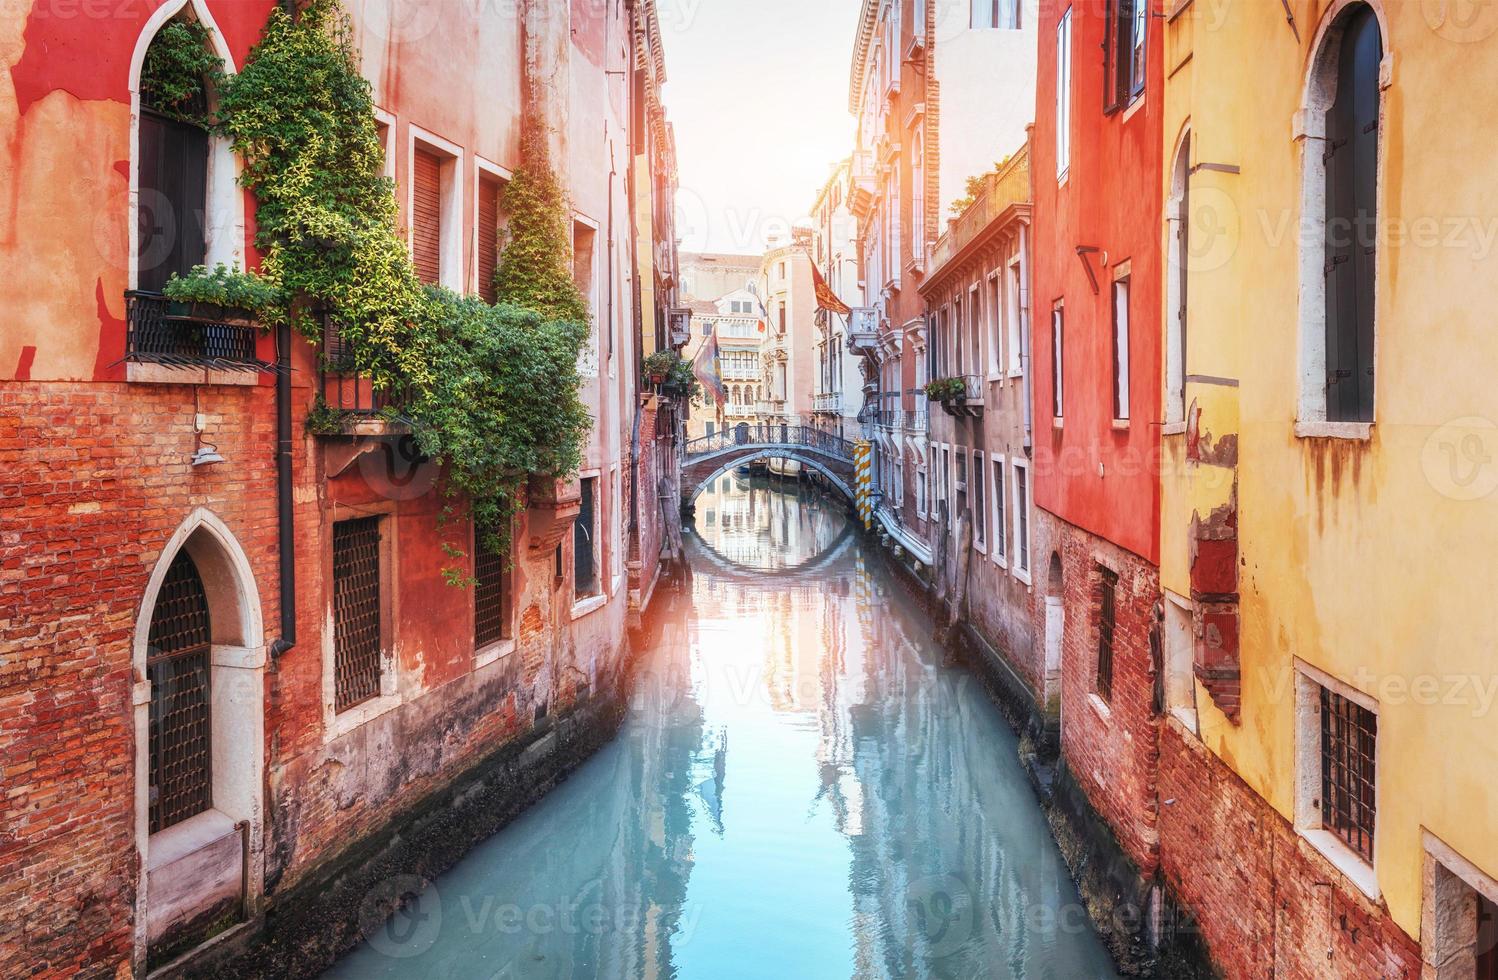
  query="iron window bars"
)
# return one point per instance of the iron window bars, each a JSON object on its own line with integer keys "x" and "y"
{"x": 1348, "y": 734}
{"x": 179, "y": 670}
{"x": 157, "y": 334}
{"x": 356, "y": 611}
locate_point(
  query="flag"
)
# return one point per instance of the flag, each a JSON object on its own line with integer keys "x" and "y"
{"x": 705, "y": 367}
{"x": 826, "y": 298}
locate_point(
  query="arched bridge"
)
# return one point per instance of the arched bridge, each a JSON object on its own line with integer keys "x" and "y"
{"x": 706, "y": 458}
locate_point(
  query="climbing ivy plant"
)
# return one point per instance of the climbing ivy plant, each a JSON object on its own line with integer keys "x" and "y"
{"x": 491, "y": 392}
{"x": 179, "y": 64}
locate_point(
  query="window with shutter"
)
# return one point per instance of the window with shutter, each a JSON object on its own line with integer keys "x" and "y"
{"x": 426, "y": 216}
{"x": 173, "y": 199}
{"x": 1351, "y": 162}
{"x": 488, "y": 238}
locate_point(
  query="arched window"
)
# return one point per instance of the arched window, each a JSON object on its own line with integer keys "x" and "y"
{"x": 181, "y": 725}
{"x": 172, "y": 200}
{"x": 1351, "y": 157}
{"x": 1340, "y": 169}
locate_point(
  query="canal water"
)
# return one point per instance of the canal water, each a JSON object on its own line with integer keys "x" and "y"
{"x": 801, "y": 790}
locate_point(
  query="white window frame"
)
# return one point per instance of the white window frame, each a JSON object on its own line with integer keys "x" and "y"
{"x": 1308, "y": 683}
{"x": 922, "y": 493}
{"x": 980, "y": 508}
{"x": 1014, "y": 285}
{"x": 1058, "y": 362}
{"x": 387, "y": 119}
{"x": 450, "y": 267}
{"x": 998, "y": 495}
{"x": 1063, "y": 96}
{"x": 1179, "y": 640}
{"x": 1019, "y": 562}
{"x": 1119, "y": 327}
{"x": 994, "y": 299}
{"x": 481, "y": 168}
{"x": 582, "y": 606}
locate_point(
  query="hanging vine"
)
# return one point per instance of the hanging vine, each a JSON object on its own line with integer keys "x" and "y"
{"x": 491, "y": 392}
{"x": 178, "y": 66}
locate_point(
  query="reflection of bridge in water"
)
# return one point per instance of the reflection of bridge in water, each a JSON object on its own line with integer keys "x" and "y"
{"x": 746, "y": 564}
{"x": 706, "y": 458}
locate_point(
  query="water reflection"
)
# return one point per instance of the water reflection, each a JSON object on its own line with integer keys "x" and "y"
{"x": 801, "y": 790}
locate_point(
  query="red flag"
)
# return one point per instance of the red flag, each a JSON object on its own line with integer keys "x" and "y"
{"x": 826, "y": 298}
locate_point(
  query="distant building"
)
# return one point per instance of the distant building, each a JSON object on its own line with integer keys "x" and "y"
{"x": 708, "y": 275}
{"x": 788, "y": 351}
{"x": 840, "y": 379}
{"x": 735, "y": 320}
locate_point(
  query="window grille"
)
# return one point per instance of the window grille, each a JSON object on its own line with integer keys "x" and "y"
{"x": 491, "y": 595}
{"x": 1107, "y": 590}
{"x": 1348, "y": 732}
{"x": 356, "y": 611}
{"x": 181, "y": 726}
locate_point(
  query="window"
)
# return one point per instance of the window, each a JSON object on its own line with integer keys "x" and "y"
{"x": 491, "y": 594}
{"x": 1180, "y": 657}
{"x": 1127, "y": 21}
{"x": 357, "y": 640}
{"x": 1348, "y": 733}
{"x": 920, "y": 493}
{"x": 1021, "y": 554}
{"x": 1058, "y": 324}
{"x": 1000, "y": 507}
{"x": 173, "y": 186}
{"x": 980, "y": 508}
{"x": 996, "y": 13}
{"x": 426, "y": 216}
{"x": 488, "y": 235}
{"x": 918, "y": 189}
{"x": 1063, "y": 95}
{"x": 782, "y": 316}
{"x": 710, "y": 425}
{"x": 959, "y": 485}
{"x": 957, "y": 354}
{"x": 181, "y": 724}
{"x": 585, "y": 542}
{"x": 1179, "y": 219}
{"x": 996, "y": 324}
{"x": 583, "y": 237}
{"x": 1016, "y": 327}
{"x": 1351, "y": 163}
{"x": 1103, "y": 600}
{"x": 780, "y": 270}
{"x": 1121, "y": 348}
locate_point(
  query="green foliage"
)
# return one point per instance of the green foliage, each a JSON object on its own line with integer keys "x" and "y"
{"x": 975, "y": 186}
{"x": 491, "y": 392}
{"x": 224, "y": 286}
{"x": 682, "y": 381}
{"x": 660, "y": 363}
{"x": 178, "y": 65}
{"x": 535, "y": 269}
{"x": 946, "y": 389}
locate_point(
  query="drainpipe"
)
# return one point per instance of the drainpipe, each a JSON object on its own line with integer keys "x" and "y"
{"x": 284, "y": 516}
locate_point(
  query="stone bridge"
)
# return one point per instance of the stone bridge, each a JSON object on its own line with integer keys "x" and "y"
{"x": 706, "y": 458}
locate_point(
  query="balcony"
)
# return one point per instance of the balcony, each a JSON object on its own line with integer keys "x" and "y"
{"x": 351, "y": 404}
{"x": 771, "y": 406}
{"x": 863, "y": 184}
{"x": 892, "y": 419}
{"x": 830, "y": 401}
{"x": 917, "y": 422}
{"x": 863, "y": 330}
{"x": 188, "y": 342}
{"x": 680, "y": 320}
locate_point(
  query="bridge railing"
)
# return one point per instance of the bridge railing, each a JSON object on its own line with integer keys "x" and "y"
{"x": 752, "y": 434}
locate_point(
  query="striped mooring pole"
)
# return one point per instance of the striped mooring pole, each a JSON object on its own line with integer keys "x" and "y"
{"x": 862, "y": 466}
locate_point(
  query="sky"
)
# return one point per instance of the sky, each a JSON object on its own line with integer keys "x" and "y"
{"x": 757, "y": 91}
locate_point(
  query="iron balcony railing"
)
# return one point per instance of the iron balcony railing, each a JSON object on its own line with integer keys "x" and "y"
{"x": 770, "y": 433}
{"x": 345, "y": 388}
{"x": 917, "y": 420}
{"x": 891, "y": 418}
{"x": 160, "y": 331}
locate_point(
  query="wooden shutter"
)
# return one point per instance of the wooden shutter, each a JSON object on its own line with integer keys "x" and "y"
{"x": 488, "y": 238}
{"x": 426, "y": 216}
{"x": 1351, "y": 159}
{"x": 173, "y": 199}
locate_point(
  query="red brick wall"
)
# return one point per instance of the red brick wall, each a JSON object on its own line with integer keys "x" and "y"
{"x": 1265, "y": 901}
{"x": 1110, "y": 749}
{"x": 96, "y": 481}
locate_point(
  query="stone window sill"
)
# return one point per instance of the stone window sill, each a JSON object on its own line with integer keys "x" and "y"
{"x": 340, "y": 724}
{"x": 588, "y": 605}
{"x": 1355, "y": 431}
{"x": 188, "y": 837}
{"x": 487, "y": 655}
{"x": 1173, "y": 428}
{"x": 1344, "y": 859}
{"x": 1100, "y": 707}
{"x": 161, "y": 374}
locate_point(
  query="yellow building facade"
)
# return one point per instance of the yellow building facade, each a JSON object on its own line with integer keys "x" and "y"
{"x": 1313, "y": 542}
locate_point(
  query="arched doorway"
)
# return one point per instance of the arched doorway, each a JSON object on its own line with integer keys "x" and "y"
{"x": 1055, "y": 622}
{"x": 199, "y": 664}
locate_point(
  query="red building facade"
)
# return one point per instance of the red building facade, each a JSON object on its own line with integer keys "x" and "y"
{"x": 1096, "y": 402}
{"x": 183, "y": 756}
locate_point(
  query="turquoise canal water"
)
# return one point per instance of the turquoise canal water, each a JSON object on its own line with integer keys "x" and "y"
{"x": 801, "y": 790}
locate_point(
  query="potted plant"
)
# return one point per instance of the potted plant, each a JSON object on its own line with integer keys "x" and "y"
{"x": 681, "y": 381}
{"x": 658, "y": 366}
{"x": 946, "y": 390}
{"x": 225, "y": 294}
